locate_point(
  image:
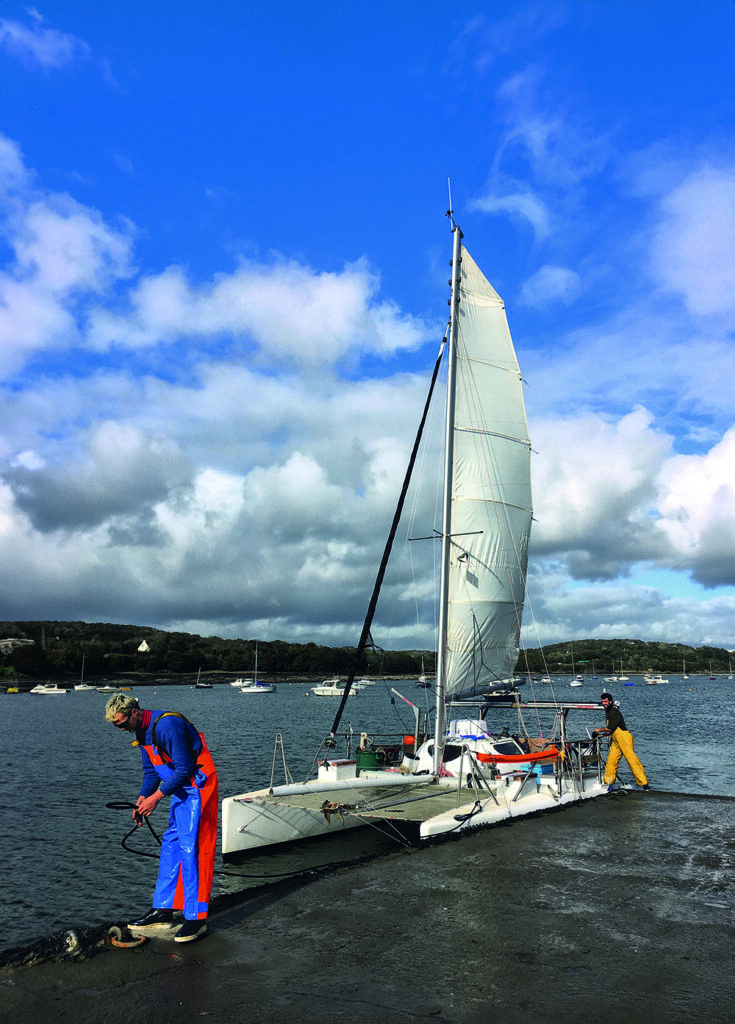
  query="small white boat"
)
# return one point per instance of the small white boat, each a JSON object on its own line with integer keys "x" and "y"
{"x": 258, "y": 688}
{"x": 107, "y": 689}
{"x": 253, "y": 686}
{"x": 327, "y": 689}
{"x": 48, "y": 688}
{"x": 654, "y": 680}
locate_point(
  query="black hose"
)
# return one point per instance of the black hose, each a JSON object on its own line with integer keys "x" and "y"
{"x": 122, "y": 805}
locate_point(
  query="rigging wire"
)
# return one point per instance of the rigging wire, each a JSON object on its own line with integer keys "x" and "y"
{"x": 387, "y": 550}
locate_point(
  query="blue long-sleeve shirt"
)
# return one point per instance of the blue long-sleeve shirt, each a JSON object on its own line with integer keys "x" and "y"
{"x": 180, "y": 741}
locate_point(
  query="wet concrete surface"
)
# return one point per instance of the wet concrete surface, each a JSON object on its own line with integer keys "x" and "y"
{"x": 621, "y": 909}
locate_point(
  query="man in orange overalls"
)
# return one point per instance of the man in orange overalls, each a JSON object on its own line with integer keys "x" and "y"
{"x": 177, "y": 764}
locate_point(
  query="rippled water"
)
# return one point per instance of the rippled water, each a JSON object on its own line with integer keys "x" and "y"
{"x": 63, "y": 863}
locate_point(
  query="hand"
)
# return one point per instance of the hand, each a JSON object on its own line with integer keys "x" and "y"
{"x": 146, "y": 805}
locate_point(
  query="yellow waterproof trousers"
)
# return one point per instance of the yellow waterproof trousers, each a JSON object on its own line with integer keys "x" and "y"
{"x": 621, "y": 745}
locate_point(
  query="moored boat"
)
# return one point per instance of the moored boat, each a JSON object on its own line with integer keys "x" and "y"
{"x": 49, "y": 689}
{"x": 457, "y": 772}
{"x": 254, "y": 685}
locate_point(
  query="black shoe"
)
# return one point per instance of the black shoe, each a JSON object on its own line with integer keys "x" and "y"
{"x": 646, "y": 788}
{"x": 190, "y": 930}
{"x": 154, "y": 919}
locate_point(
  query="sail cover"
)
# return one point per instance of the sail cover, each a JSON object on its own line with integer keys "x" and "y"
{"x": 490, "y": 516}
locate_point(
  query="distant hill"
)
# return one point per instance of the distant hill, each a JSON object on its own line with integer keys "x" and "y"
{"x": 109, "y": 648}
{"x": 609, "y": 657}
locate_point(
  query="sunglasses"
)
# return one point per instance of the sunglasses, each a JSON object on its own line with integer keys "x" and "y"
{"x": 122, "y": 725}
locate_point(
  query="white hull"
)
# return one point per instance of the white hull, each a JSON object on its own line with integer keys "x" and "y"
{"x": 345, "y": 795}
{"x": 290, "y": 813}
{"x": 263, "y": 818}
{"x": 259, "y": 688}
{"x": 334, "y": 691}
{"x": 490, "y": 812}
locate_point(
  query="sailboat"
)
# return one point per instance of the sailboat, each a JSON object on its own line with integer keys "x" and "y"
{"x": 199, "y": 685}
{"x": 254, "y": 686}
{"x": 423, "y": 681}
{"x": 81, "y": 685}
{"x": 454, "y": 774}
{"x": 576, "y": 679}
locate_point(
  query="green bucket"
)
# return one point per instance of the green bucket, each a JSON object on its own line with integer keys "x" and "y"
{"x": 366, "y": 759}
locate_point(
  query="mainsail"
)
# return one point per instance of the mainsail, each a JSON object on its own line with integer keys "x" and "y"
{"x": 488, "y": 512}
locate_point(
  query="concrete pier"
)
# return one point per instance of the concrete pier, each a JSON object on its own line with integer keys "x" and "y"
{"x": 617, "y": 910}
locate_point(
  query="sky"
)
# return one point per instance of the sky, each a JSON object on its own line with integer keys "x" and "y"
{"x": 224, "y": 259}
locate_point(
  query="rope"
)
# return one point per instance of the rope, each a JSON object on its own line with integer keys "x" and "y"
{"x": 123, "y": 805}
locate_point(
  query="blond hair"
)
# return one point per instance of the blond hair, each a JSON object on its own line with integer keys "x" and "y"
{"x": 119, "y": 702}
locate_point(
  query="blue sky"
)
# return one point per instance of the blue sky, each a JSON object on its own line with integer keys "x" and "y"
{"x": 223, "y": 279}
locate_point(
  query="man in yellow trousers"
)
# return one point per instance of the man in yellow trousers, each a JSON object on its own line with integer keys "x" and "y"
{"x": 621, "y": 745}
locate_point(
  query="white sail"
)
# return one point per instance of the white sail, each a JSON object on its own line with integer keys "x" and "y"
{"x": 490, "y": 512}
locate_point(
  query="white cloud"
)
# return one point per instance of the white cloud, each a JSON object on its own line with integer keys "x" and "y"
{"x": 551, "y": 284}
{"x": 594, "y": 486}
{"x": 693, "y": 249}
{"x": 61, "y": 245}
{"x": 211, "y": 465}
{"x": 523, "y": 204}
{"x": 37, "y": 46}
{"x": 293, "y": 314}
{"x": 697, "y": 508}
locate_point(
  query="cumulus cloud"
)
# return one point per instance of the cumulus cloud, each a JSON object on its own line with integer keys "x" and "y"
{"x": 63, "y": 253}
{"x": 118, "y": 471}
{"x": 594, "y": 485}
{"x": 290, "y": 312}
{"x": 206, "y": 462}
{"x": 697, "y": 509}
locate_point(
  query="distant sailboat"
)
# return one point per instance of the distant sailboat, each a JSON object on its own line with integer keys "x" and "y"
{"x": 81, "y": 685}
{"x": 255, "y": 686}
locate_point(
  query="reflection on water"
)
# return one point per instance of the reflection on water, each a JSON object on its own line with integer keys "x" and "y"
{"x": 64, "y": 865}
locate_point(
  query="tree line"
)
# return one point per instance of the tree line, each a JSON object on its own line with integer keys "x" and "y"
{"x": 107, "y": 649}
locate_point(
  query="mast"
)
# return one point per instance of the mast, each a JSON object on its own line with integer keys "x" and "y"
{"x": 441, "y": 661}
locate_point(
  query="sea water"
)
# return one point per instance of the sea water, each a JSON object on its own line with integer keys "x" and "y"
{"x": 63, "y": 862}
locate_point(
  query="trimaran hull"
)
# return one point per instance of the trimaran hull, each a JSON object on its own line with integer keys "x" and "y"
{"x": 486, "y": 521}
{"x": 408, "y": 805}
